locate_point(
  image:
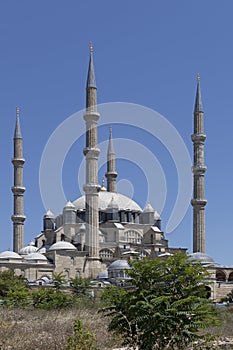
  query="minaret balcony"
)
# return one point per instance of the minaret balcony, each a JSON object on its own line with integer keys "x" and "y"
{"x": 111, "y": 174}
{"x": 91, "y": 188}
{"x": 18, "y": 162}
{"x": 199, "y": 169}
{"x": 90, "y": 116}
{"x": 18, "y": 190}
{"x": 198, "y": 202}
{"x": 91, "y": 153}
{"x": 196, "y": 138}
{"x": 18, "y": 219}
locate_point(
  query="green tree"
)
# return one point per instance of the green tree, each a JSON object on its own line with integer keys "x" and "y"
{"x": 80, "y": 286}
{"x": 13, "y": 289}
{"x": 167, "y": 306}
{"x": 82, "y": 339}
{"x": 46, "y": 298}
{"x": 58, "y": 280}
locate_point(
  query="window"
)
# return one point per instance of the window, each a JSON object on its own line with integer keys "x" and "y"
{"x": 132, "y": 236}
{"x": 106, "y": 253}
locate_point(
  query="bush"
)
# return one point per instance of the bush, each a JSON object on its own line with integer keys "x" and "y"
{"x": 51, "y": 299}
{"x": 82, "y": 339}
{"x": 167, "y": 307}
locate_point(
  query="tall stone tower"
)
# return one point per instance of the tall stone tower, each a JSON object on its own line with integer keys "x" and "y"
{"x": 18, "y": 189}
{"x": 198, "y": 202}
{"x": 111, "y": 173}
{"x": 91, "y": 188}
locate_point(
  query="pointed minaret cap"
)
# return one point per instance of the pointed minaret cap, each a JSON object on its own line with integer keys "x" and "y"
{"x": 110, "y": 143}
{"x": 17, "y": 134}
{"x": 91, "y": 83}
{"x": 198, "y": 102}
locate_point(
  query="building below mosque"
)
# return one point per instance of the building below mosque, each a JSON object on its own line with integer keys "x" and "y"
{"x": 96, "y": 234}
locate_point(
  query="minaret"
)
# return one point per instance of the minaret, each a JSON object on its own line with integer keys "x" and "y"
{"x": 198, "y": 202}
{"x": 18, "y": 189}
{"x": 91, "y": 152}
{"x": 111, "y": 173}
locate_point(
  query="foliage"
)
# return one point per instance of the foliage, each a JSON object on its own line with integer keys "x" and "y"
{"x": 228, "y": 297}
{"x": 167, "y": 307}
{"x": 13, "y": 289}
{"x": 58, "y": 280}
{"x": 51, "y": 299}
{"x": 18, "y": 297}
{"x": 82, "y": 339}
{"x": 80, "y": 286}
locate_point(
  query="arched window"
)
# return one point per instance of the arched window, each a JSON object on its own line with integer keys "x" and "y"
{"x": 220, "y": 275}
{"x": 230, "y": 278}
{"x": 66, "y": 273}
{"x": 132, "y": 236}
{"x": 106, "y": 253}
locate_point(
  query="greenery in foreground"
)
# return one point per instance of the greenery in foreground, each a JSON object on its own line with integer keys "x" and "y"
{"x": 167, "y": 307}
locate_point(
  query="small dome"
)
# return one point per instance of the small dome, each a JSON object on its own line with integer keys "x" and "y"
{"x": 202, "y": 258}
{"x": 62, "y": 245}
{"x": 48, "y": 215}
{"x": 35, "y": 256}
{"x": 69, "y": 205}
{"x": 119, "y": 265}
{"x": 102, "y": 274}
{"x": 30, "y": 248}
{"x": 8, "y": 254}
{"x": 148, "y": 209}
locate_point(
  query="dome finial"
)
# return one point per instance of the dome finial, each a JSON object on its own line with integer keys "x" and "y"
{"x": 17, "y": 112}
{"x": 102, "y": 184}
{"x": 91, "y": 47}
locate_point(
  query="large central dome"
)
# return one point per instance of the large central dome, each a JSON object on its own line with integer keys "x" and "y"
{"x": 105, "y": 198}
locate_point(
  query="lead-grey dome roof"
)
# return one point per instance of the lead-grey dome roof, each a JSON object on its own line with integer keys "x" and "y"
{"x": 105, "y": 198}
{"x": 30, "y": 248}
{"x": 202, "y": 258}
{"x": 35, "y": 256}
{"x": 62, "y": 245}
{"x": 119, "y": 265}
{"x": 8, "y": 254}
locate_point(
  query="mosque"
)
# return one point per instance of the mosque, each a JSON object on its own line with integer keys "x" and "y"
{"x": 97, "y": 233}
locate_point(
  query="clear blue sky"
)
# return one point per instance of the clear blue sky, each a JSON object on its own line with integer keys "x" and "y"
{"x": 146, "y": 53}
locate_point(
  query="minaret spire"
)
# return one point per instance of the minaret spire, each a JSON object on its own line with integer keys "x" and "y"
{"x": 18, "y": 189}
{"x": 91, "y": 152}
{"x": 198, "y": 202}
{"x": 111, "y": 173}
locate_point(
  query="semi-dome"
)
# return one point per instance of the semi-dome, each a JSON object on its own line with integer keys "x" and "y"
{"x": 202, "y": 258}
{"x": 8, "y": 254}
{"x": 119, "y": 265}
{"x": 30, "y": 248}
{"x": 62, "y": 245}
{"x": 105, "y": 198}
{"x": 35, "y": 256}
